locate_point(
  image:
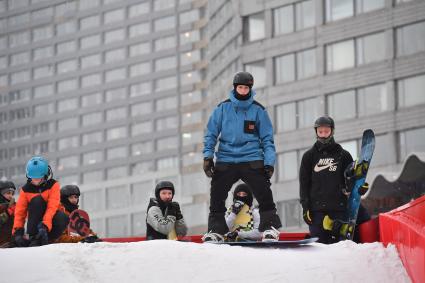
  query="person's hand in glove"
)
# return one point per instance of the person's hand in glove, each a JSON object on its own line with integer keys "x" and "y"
{"x": 91, "y": 239}
{"x": 19, "y": 239}
{"x": 269, "y": 170}
{"x": 237, "y": 206}
{"x": 42, "y": 236}
{"x": 232, "y": 236}
{"x": 363, "y": 189}
{"x": 208, "y": 166}
{"x": 307, "y": 217}
{"x": 174, "y": 209}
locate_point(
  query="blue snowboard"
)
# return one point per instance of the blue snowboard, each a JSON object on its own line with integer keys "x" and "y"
{"x": 277, "y": 244}
{"x": 363, "y": 163}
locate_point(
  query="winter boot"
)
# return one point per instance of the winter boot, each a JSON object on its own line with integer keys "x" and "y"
{"x": 271, "y": 235}
{"x": 213, "y": 238}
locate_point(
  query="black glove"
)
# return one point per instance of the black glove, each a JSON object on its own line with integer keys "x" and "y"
{"x": 232, "y": 236}
{"x": 237, "y": 206}
{"x": 91, "y": 239}
{"x": 42, "y": 237}
{"x": 363, "y": 189}
{"x": 268, "y": 170}
{"x": 19, "y": 239}
{"x": 208, "y": 166}
{"x": 174, "y": 207}
{"x": 307, "y": 217}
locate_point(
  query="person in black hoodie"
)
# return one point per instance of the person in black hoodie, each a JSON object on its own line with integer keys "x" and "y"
{"x": 323, "y": 188}
{"x": 164, "y": 218}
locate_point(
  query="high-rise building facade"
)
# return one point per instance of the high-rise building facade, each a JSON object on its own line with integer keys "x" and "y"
{"x": 116, "y": 94}
{"x": 111, "y": 93}
{"x": 360, "y": 61}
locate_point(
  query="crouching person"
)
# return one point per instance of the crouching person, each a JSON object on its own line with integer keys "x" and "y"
{"x": 242, "y": 218}
{"x": 7, "y": 212}
{"x": 164, "y": 218}
{"x": 38, "y": 203}
{"x": 70, "y": 197}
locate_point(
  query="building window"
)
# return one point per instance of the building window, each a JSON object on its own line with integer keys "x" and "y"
{"x": 339, "y": 9}
{"x": 191, "y": 118}
{"x": 305, "y": 14}
{"x": 43, "y": 72}
{"x": 141, "y": 167}
{"x": 91, "y": 80}
{"x": 19, "y": 39}
{"x": 113, "y": 16}
{"x": 116, "y": 133}
{"x": 306, "y": 64}
{"x": 90, "y": 22}
{"x": 165, "y": 83}
{"x": 163, "y": 4}
{"x": 372, "y": 100}
{"x": 91, "y": 99}
{"x": 66, "y": 47}
{"x": 167, "y": 143}
{"x": 363, "y": 6}
{"x": 165, "y": 23}
{"x": 411, "y": 141}
{"x": 284, "y": 69}
{"x": 254, "y": 27}
{"x": 116, "y": 94}
{"x": 371, "y": 48}
{"x": 117, "y": 226}
{"x": 92, "y": 138}
{"x": 342, "y": 105}
{"x": 93, "y": 157}
{"x": 141, "y": 148}
{"x": 90, "y": 41}
{"x": 68, "y": 142}
{"x": 19, "y": 58}
{"x": 117, "y": 197}
{"x": 307, "y": 112}
{"x": 166, "y": 163}
{"x": 115, "y": 55}
{"x": 140, "y": 89}
{"x": 43, "y": 91}
{"x": 115, "y": 75}
{"x": 384, "y": 144}
{"x": 93, "y": 199}
{"x": 116, "y": 172}
{"x": 166, "y": 123}
{"x": 286, "y": 172}
{"x": 140, "y": 109}
{"x": 91, "y": 61}
{"x": 340, "y": 55}
{"x": 116, "y": 152}
{"x": 165, "y": 63}
{"x": 67, "y": 66}
{"x": 189, "y": 17}
{"x": 258, "y": 71}
{"x": 42, "y": 33}
{"x": 114, "y": 35}
{"x": 140, "y": 69}
{"x": 165, "y": 43}
{"x": 410, "y": 91}
{"x": 140, "y": 49}
{"x": 139, "y": 29}
{"x": 138, "y": 9}
{"x": 411, "y": 39}
{"x": 191, "y": 98}
{"x": 44, "y": 109}
{"x": 68, "y": 162}
{"x": 92, "y": 118}
{"x": 66, "y": 28}
{"x": 116, "y": 114}
{"x": 42, "y": 52}
{"x": 141, "y": 128}
{"x": 283, "y": 20}
{"x": 167, "y": 103}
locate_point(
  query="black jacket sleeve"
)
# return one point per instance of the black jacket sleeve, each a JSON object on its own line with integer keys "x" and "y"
{"x": 305, "y": 180}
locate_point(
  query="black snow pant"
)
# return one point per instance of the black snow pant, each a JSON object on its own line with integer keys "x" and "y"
{"x": 252, "y": 173}
{"x": 36, "y": 210}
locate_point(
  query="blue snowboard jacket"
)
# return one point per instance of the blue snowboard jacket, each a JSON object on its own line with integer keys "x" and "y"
{"x": 244, "y": 130}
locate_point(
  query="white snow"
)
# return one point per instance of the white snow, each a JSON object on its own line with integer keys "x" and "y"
{"x": 170, "y": 261}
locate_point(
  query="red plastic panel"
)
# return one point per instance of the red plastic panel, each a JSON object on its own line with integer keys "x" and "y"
{"x": 369, "y": 231}
{"x": 405, "y": 227}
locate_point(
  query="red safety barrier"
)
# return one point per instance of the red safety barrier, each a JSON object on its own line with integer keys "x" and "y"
{"x": 405, "y": 228}
{"x": 369, "y": 231}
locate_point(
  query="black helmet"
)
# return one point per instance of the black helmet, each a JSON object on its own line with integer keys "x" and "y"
{"x": 243, "y": 78}
{"x": 7, "y": 186}
{"x": 163, "y": 185}
{"x": 243, "y": 188}
{"x": 324, "y": 121}
{"x": 70, "y": 190}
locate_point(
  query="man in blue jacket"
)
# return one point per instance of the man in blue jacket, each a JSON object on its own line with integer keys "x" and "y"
{"x": 246, "y": 151}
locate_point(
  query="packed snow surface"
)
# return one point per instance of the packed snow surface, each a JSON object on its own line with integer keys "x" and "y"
{"x": 170, "y": 261}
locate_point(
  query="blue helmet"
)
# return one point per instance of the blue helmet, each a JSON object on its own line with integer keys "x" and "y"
{"x": 37, "y": 167}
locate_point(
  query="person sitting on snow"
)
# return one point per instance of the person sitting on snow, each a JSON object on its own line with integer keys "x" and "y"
{"x": 164, "y": 218}
{"x": 38, "y": 203}
{"x": 70, "y": 196}
{"x": 242, "y": 217}
{"x": 7, "y": 212}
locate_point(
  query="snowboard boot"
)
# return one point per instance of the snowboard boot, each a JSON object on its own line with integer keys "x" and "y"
{"x": 271, "y": 235}
{"x": 213, "y": 238}
{"x": 34, "y": 242}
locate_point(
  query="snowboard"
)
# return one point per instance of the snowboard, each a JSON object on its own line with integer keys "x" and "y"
{"x": 79, "y": 223}
{"x": 276, "y": 244}
{"x": 347, "y": 226}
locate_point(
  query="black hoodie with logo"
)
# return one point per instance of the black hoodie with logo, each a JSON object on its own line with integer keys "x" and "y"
{"x": 322, "y": 177}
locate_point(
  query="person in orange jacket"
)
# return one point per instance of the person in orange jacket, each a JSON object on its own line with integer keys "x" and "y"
{"x": 70, "y": 196}
{"x": 7, "y": 212}
{"x": 39, "y": 203}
